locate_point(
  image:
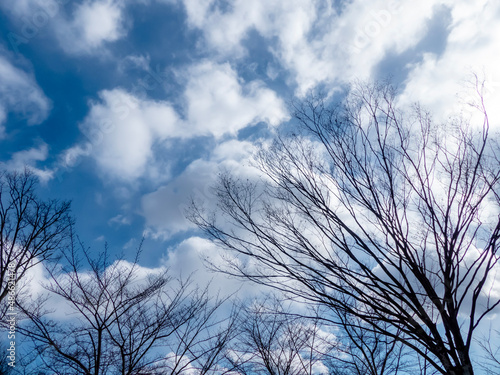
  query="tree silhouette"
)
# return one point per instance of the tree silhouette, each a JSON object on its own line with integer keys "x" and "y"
{"x": 31, "y": 230}
{"x": 120, "y": 318}
{"x": 377, "y": 214}
{"x": 271, "y": 340}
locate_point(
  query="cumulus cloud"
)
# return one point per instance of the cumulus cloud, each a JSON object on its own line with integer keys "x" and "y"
{"x": 20, "y": 94}
{"x": 165, "y": 208}
{"x": 182, "y": 261}
{"x": 124, "y": 130}
{"x": 93, "y": 24}
{"x": 442, "y": 83}
{"x": 38, "y": 280}
{"x": 191, "y": 255}
{"x": 219, "y": 103}
{"x": 188, "y": 257}
{"x": 318, "y": 43}
{"x": 90, "y": 25}
{"x": 315, "y": 42}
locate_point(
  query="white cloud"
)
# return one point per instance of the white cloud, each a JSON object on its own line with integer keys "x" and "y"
{"x": 165, "y": 208}
{"x": 119, "y": 220}
{"x": 33, "y": 280}
{"x": 122, "y": 130}
{"x": 313, "y": 41}
{"x": 189, "y": 257}
{"x": 219, "y": 103}
{"x": 134, "y": 61}
{"x": 20, "y": 94}
{"x": 30, "y": 155}
{"x": 182, "y": 261}
{"x": 126, "y": 133}
{"x": 28, "y": 158}
{"x": 99, "y": 22}
{"x": 71, "y": 156}
{"x": 38, "y": 280}
{"x": 23, "y": 8}
{"x": 473, "y": 46}
{"x": 317, "y": 44}
{"x": 93, "y": 24}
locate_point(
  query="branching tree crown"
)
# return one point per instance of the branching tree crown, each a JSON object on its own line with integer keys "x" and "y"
{"x": 272, "y": 341}
{"x": 31, "y": 230}
{"x": 375, "y": 213}
{"x": 120, "y": 320}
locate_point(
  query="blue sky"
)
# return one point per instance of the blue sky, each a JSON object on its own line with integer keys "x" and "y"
{"x": 129, "y": 107}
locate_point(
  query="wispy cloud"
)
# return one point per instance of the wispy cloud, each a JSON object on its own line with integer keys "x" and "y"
{"x": 20, "y": 94}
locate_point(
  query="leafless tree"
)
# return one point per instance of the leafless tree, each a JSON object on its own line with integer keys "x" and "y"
{"x": 200, "y": 345}
{"x": 490, "y": 343}
{"x": 377, "y": 213}
{"x": 31, "y": 229}
{"x": 364, "y": 351}
{"x": 270, "y": 340}
{"x": 119, "y": 319}
{"x": 5, "y": 369}
{"x": 277, "y": 340}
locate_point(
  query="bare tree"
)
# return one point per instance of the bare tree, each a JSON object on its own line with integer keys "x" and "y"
{"x": 201, "y": 344}
{"x": 277, "y": 340}
{"x": 273, "y": 341}
{"x": 31, "y": 229}
{"x": 5, "y": 369}
{"x": 490, "y": 343}
{"x": 119, "y": 319}
{"x": 378, "y": 214}
{"x": 364, "y": 351}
